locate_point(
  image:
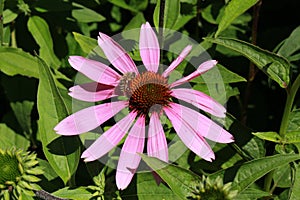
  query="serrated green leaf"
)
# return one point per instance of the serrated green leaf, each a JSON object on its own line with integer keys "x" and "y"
{"x": 232, "y": 10}
{"x": 251, "y": 193}
{"x": 171, "y": 14}
{"x": 14, "y": 61}
{"x": 182, "y": 181}
{"x": 11, "y": 139}
{"x": 269, "y": 136}
{"x": 86, "y": 15}
{"x": 40, "y": 31}
{"x": 80, "y": 193}
{"x": 275, "y": 66}
{"x": 62, "y": 152}
{"x": 244, "y": 175}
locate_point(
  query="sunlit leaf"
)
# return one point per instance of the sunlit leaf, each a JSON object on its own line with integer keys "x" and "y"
{"x": 88, "y": 45}
{"x": 80, "y": 193}
{"x": 11, "y": 139}
{"x": 291, "y": 45}
{"x": 275, "y": 66}
{"x": 171, "y": 13}
{"x": 41, "y": 33}
{"x": 232, "y": 10}
{"x": 9, "y": 16}
{"x": 182, "y": 181}
{"x": 86, "y": 15}
{"x": 14, "y": 61}
{"x": 269, "y": 136}
{"x": 295, "y": 189}
{"x": 62, "y": 152}
{"x": 251, "y": 193}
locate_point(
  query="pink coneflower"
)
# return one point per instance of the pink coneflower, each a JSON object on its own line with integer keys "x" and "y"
{"x": 149, "y": 95}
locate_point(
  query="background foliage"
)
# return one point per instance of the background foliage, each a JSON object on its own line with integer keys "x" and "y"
{"x": 257, "y": 44}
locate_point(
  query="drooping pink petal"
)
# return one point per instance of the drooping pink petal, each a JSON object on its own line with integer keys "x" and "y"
{"x": 204, "y": 67}
{"x": 203, "y": 126}
{"x": 129, "y": 159}
{"x": 149, "y": 48}
{"x": 92, "y": 92}
{"x": 187, "y": 133}
{"x": 89, "y": 118}
{"x": 157, "y": 143}
{"x": 116, "y": 54}
{"x": 109, "y": 139}
{"x": 177, "y": 61}
{"x": 95, "y": 70}
{"x": 200, "y": 100}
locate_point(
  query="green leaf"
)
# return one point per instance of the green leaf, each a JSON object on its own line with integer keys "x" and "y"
{"x": 22, "y": 112}
{"x": 294, "y": 121}
{"x": 251, "y": 193}
{"x": 14, "y": 61}
{"x": 171, "y": 14}
{"x": 275, "y": 66}
{"x": 295, "y": 189}
{"x": 79, "y": 193}
{"x": 251, "y": 171}
{"x": 132, "y": 5}
{"x": 86, "y": 15}
{"x": 9, "y": 16}
{"x": 62, "y": 152}
{"x": 269, "y": 136}
{"x": 182, "y": 181}
{"x": 88, "y": 45}
{"x": 147, "y": 188}
{"x": 232, "y": 11}
{"x": 282, "y": 176}
{"x": 39, "y": 29}
{"x": 291, "y": 44}
{"x": 217, "y": 74}
{"x": 11, "y": 139}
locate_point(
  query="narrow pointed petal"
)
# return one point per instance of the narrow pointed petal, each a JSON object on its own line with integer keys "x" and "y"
{"x": 204, "y": 67}
{"x": 116, "y": 54}
{"x": 92, "y": 92}
{"x": 177, "y": 61}
{"x": 95, "y": 70}
{"x": 149, "y": 48}
{"x": 129, "y": 159}
{"x": 200, "y": 100}
{"x": 89, "y": 118}
{"x": 157, "y": 143}
{"x": 203, "y": 126}
{"x": 109, "y": 139}
{"x": 179, "y": 118}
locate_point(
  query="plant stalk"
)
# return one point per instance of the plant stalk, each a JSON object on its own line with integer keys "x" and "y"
{"x": 288, "y": 106}
{"x": 1, "y": 21}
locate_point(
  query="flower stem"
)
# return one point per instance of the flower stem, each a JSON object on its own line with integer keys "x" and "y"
{"x": 288, "y": 106}
{"x": 1, "y": 21}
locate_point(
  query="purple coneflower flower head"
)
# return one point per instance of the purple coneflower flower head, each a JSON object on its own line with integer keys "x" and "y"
{"x": 148, "y": 96}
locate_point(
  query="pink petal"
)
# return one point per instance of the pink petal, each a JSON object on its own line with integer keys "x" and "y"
{"x": 116, "y": 54}
{"x": 204, "y": 126}
{"x": 109, "y": 139}
{"x": 95, "y": 70}
{"x": 204, "y": 67}
{"x": 149, "y": 48}
{"x": 157, "y": 143}
{"x": 200, "y": 100}
{"x": 88, "y": 118}
{"x": 178, "y": 60}
{"x": 92, "y": 92}
{"x": 129, "y": 159}
{"x": 184, "y": 128}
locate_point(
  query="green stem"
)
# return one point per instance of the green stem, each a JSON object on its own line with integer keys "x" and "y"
{"x": 1, "y": 21}
{"x": 288, "y": 106}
